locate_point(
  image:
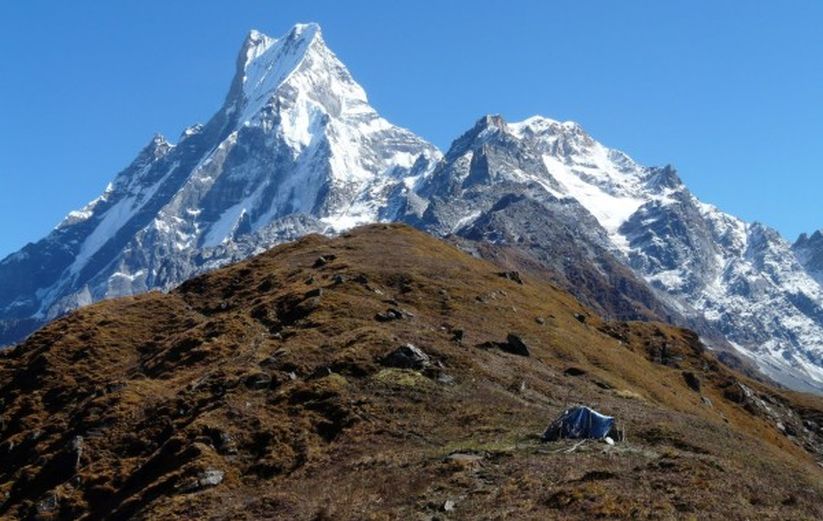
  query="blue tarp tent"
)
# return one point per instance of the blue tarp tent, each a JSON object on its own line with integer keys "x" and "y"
{"x": 579, "y": 422}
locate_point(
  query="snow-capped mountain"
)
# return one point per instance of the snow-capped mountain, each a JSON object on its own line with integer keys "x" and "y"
{"x": 493, "y": 187}
{"x": 720, "y": 274}
{"x": 296, "y": 148}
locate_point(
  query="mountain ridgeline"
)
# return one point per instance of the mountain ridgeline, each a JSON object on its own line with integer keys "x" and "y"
{"x": 297, "y": 149}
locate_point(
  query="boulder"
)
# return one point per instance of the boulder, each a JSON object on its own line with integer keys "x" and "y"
{"x": 513, "y": 276}
{"x": 574, "y": 371}
{"x": 207, "y": 478}
{"x": 515, "y": 345}
{"x": 458, "y": 335}
{"x": 313, "y": 293}
{"x": 407, "y": 356}
{"x": 389, "y": 315}
{"x": 210, "y": 478}
{"x": 323, "y": 260}
{"x": 692, "y": 381}
{"x": 258, "y": 381}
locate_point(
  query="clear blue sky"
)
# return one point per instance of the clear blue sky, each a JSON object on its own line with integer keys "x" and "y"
{"x": 731, "y": 93}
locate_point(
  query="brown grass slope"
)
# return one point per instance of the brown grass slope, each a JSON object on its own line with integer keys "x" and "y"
{"x": 259, "y": 392}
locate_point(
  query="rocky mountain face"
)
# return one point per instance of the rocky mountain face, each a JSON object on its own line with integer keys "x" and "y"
{"x": 384, "y": 374}
{"x": 296, "y": 149}
{"x": 809, "y": 251}
{"x": 494, "y": 187}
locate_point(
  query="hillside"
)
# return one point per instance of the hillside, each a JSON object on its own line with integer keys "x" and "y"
{"x": 266, "y": 390}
